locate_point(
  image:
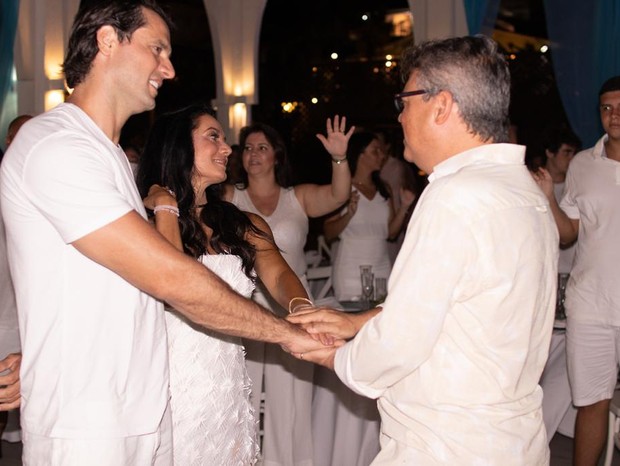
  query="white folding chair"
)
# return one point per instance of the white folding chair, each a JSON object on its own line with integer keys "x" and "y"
{"x": 321, "y": 275}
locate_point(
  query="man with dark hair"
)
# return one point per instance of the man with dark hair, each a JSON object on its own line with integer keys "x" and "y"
{"x": 590, "y": 212}
{"x": 560, "y": 145}
{"x": 88, "y": 268}
{"x": 455, "y": 355}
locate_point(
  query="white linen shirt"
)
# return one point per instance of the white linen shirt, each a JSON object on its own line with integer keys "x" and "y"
{"x": 592, "y": 195}
{"x": 456, "y": 355}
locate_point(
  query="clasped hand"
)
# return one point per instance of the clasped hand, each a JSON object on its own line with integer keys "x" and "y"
{"x": 9, "y": 382}
{"x": 330, "y": 327}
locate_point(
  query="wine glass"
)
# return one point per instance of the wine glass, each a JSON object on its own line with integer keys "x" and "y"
{"x": 380, "y": 289}
{"x": 368, "y": 282}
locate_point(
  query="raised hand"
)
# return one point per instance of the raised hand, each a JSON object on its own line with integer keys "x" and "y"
{"x": 337, "y": 140}
{"x": 9, "y": 382}
{"x": 544, "y": 181}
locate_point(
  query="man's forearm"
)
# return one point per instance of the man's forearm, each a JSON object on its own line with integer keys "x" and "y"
{"x": 566, "y": 228}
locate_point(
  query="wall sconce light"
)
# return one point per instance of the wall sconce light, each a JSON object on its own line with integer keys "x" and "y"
{"x": 55, "y": 94}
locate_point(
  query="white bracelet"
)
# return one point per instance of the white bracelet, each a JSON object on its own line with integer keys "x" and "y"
{"x": 166, "y": 208}
{"x": 305, "y": 302}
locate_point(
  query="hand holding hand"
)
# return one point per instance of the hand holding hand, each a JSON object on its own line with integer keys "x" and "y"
{"x": 337, "y": 140}
{"x": 337, "y": 324}
{"x": 159, "y": 195}
{"x": 299, "y": 341}
{"x": 544, "y": 181}
{"x": 324, "y": 356}
{"x": 9, "y": 382}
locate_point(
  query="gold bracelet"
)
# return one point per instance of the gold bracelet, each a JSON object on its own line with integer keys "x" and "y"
{"x": 291, "y": 308}
{"x": 339, "y": 161}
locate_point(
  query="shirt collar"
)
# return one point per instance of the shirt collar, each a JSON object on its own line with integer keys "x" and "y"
{"x": 507, "y": 154}
{"x": 599, "y": 148}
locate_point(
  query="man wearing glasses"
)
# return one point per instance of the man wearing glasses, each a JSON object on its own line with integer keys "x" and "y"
{"x": 455, "y": 356}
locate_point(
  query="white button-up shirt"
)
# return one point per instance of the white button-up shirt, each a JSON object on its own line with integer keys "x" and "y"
{"x": 592, "y": 195}
{"x": 456, "y": 355}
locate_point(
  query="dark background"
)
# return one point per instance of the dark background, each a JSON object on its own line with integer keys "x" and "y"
{"x": 296, "y": 41}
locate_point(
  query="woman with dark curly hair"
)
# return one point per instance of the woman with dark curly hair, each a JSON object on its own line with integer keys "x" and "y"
{"x": 180, "y": 176}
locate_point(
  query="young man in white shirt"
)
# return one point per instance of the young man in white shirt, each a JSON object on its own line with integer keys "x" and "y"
{"x": 589, "y": 212}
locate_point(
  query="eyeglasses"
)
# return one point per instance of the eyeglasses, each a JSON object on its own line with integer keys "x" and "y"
{"x": 398, "y": 98}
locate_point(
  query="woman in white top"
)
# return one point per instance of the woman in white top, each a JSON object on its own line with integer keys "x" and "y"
{"x": 213, "y": 422}
{"x": 266, "y": 190}
{"x": 367, "y": 222}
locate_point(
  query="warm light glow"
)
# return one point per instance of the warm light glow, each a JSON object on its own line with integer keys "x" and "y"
{"x": 239, "y": 115}
{"x": 512, "y": 56}
{"x": 288, "y": 107}
{"x": 53, "y": 98}
{"x": 388, "y": 57}
{"x": 375, "y": 70}
{"x": 314, "y": 69}
{"x": 334, "y": 56}
{"x": 544, "y": 49}
{"x": 54, "y": 51}
{"x": 314, "y": 100}
{"x": 402, "y": 23}
{"x": 388, "y": 64}
{"x": 364, "y": 17}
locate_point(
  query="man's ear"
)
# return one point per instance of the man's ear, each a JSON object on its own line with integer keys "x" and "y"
{"x": 549, "y": 154}
{"x": 106, "y": 38}
{"x": 444, "y": 105}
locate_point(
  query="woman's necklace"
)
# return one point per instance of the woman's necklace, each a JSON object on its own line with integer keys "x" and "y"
{"x": 363, "y": 184}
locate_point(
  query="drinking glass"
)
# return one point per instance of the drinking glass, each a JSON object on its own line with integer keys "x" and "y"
{"x": 380, "y": 289}
{"x": 368, "y": 282}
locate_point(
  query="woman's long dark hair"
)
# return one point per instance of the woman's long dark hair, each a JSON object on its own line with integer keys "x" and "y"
{"x": 358, "y": 144}
{"x": 168, "y": 160}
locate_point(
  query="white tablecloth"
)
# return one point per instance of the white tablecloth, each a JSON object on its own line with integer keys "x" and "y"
{"x": 345, "y": 425}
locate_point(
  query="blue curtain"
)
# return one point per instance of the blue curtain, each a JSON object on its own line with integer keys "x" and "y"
{"x": 481, "y": 16}
{"x": 9, "y": 10}
{"x": 585, "y": 49}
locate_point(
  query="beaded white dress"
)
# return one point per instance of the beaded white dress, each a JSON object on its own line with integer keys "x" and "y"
{"x": 213, "y": 421}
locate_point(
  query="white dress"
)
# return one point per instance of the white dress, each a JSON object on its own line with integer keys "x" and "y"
{"x": 213, "y": 421}
{"x": 362, "y": 242}
{"x": 287, "y": 439}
